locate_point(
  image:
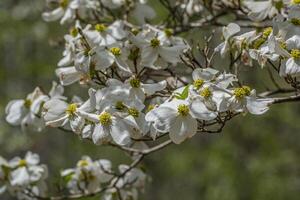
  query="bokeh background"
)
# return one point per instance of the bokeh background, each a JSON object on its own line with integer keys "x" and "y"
{"x": 255, "y": 157}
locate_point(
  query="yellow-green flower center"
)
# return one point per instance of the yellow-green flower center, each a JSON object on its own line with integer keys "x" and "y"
{"x": 261, "y": 40}
{"x": 278, "y": 5}
{"x": 258, "y": 42}
{"x": 115, "y": 50}
{"x": 120, "y": 105}
{"x": 198, "y": 83}
{"x": 150, "y": 107}
{"x": 100, "y": 27}
{"x": 155, "y": 42}
{"x": 295, "y": 53}
{"x": 133, "y": 112}
{"x": 83, "y": 163}
{"x": 267, "y": 32}
{"x": 135, "y": 83}
{"x": 105, "y": 119}
{"x": 74, "y": 32}
{"x": 135, "y": 31}
{"x": 206, "y": 93}
{"x": 295, "y": 21}
{"x": 283, "y": 44}
{"x": 295, "y": 1}
{"x": 27, "y": 103}
{"x": 183, "y": 110}
{"x": 168, "y": 32}
{"x": 71, "y": 109}
{"x": 241, "y": 92}
{"x": 63, "y": 3}
{"x": 22, "y": 163}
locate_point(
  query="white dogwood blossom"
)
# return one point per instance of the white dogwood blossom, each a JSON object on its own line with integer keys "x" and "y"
{"x": 228, "y": 32}
{"x": 290, "y": 51}
{"x": 88, "y": 175}
{"x": 27, "y": 174}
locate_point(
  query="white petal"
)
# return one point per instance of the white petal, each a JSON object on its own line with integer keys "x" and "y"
{"x": 258, "y": 106}
{"x": 259, "y": 10}
{"x": 55, "y": 108}
{"x": 32, "y": 158}
{"x": 53, "y": 15}
{"x": 100, "y": 134}
{"x": 230, "y": 30}
{"x": 204, "y": 74}
{"x": 292, "y": 66}
{"x": 77, "y": 124}
{"x": 171, "y": 54}
{"x": 200, "y": 111}
{"x": 20, "y": 176}
{"x": 150, "y": 89}
{"x": 149, "y": 56}
{"x": 293, "y": 42}
{"x": 66, "y": 60}
{"x": 120, "y": 132}
{"x": 103, "y": 60}
{"x": 142, "y": 12}
{"x": 117, "y": 30}
{"x": 68, "y": 75}
{"x": 182, "y": 128}
{"x": 161, "y": 118}
{"x": 15, "y": 111}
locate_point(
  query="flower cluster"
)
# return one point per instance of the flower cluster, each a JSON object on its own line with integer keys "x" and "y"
{"x": 91, "y": 176}
{"x": 209, "y": 97}
{"x": 145, "y": 82}
{"x": 277, "y": 43}
{"x": 23, "y": 178}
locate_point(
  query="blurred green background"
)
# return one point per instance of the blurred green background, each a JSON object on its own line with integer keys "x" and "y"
{"x": 256, "y": 157}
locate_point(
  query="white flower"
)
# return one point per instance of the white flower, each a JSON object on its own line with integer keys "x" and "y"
{"x": 291, "y": 65}
{"x": 228, "y": 32}
{"x": 25, "y": 112}
{"x": 119, "y": 56}
{"x": 135, "y": 177}
{"x": 143, "y": 12}
{"x": 72, "y": 40}
{"x": 108, "y": 126}
{"x": 174, "y": 117}
{"x": 128, "y": 185}
{"x": 103, "y": 35}
{"x": 263, "y": 9}
{"x": 69, "y": 75}
{"x": 137, "y": 89}
{"x": 67, "y": 10}
{"x": 63, "y": 12}
{"x": 152, "y": 48}
{"x": 244, "y": 99}
{"x": 87, "y": 176}
{"x": 208, "y": 76}
{"x": 205, "y": 103}
{"x": 290, "y": 51}
{"x": 58, "y": 113}
{"x": 27, "y": 172}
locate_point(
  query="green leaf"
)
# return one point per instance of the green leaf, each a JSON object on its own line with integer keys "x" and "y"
{"x": 184, "y": 94}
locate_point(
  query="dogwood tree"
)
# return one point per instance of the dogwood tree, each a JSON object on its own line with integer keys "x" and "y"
{"x": 150, "y": 85}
